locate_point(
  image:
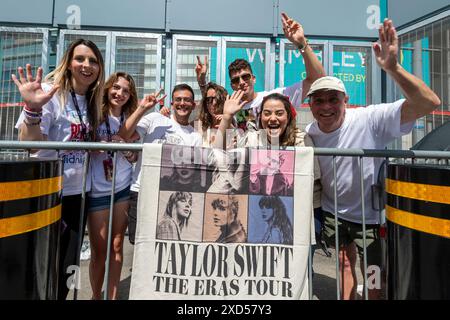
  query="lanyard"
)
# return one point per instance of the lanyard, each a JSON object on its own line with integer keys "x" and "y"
{"x": 108, "y": 129}
{"x": 83, "y": 125}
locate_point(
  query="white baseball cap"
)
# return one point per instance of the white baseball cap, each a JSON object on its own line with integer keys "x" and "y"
{"x": 327, "y": 83}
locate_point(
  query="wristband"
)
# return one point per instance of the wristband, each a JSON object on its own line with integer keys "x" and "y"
{"x": 303, "y": 47}
{"x": 31, "y": 123}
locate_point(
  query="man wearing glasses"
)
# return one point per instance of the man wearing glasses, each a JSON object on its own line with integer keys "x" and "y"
{"x": 156, "y": 128}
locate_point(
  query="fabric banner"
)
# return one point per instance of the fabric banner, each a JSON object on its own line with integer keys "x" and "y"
{"x": 216, "y": 224}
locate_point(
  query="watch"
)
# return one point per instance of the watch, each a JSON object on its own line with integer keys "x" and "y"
{"x": 303, "y": 47}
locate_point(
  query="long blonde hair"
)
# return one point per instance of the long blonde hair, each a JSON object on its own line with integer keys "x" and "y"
{"x": 62, "y": 76}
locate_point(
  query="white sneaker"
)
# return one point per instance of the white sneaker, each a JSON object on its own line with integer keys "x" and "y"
{"x": 359, "y": 290}
{"x": 85, "y": 250}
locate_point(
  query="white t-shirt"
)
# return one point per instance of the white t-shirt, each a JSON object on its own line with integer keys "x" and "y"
{"x": 372, "y": 127}
{"x": 100, "y": 186}
{"x": 294, "y": 93}
{"x": 156, "y": 128}
{"x": 63, "y": 124}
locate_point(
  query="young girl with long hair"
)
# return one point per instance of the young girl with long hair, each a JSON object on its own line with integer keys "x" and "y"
{"x": 118, "y": 103}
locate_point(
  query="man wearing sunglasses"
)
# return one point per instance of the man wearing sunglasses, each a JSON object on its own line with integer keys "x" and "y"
{"x": 242, "y": 77}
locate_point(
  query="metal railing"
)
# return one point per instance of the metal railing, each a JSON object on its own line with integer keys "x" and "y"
{"x": 407, "y": 156}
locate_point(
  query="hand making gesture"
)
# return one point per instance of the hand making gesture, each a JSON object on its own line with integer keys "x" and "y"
{"x": 149, "y": 101}
{"x": 293, "y": 31}
{"x": 386, "y": 51}
{"x": 201, "y": 69}
{"x": 31, "y": 90}
{"x": 233, "y": 103}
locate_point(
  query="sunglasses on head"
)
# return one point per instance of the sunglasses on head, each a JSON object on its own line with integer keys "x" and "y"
{"x": 246, "y": 77}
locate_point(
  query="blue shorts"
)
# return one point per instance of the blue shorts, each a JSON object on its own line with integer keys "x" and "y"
{"x": 102, "y": 203}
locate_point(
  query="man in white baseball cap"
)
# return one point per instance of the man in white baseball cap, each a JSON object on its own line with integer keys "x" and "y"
{"x": 372, "y": 127}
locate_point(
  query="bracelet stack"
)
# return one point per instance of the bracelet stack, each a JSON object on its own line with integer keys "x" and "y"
{"x": 32, "y": 117}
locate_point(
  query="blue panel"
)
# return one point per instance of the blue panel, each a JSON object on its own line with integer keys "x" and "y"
{"x": 112, "y": 13}
{"x": 350, "y": 67}
{"x": 27, "y": 11}
{"x": 294, "y": 69}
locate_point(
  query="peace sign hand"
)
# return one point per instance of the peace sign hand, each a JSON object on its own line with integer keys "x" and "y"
{"x": 149, "y": 101}
{"x": 31, "y": 89}
{"x": 293, "y": 31}
{"x": 201, "y": 69}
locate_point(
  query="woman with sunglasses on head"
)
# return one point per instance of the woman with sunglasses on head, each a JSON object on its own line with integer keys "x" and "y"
{"x": 65, "y": 108}
{"x": 211, "y": 112}
{"x": 119, "y": 102}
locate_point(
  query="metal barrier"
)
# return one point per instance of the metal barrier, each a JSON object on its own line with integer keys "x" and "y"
{"x": 440, "y": 158}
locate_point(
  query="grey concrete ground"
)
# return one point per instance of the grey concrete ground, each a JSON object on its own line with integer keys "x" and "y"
{"x": 324, "y": 281}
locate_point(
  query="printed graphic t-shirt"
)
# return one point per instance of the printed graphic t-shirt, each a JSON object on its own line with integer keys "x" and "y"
{"x": 63, "y": 124}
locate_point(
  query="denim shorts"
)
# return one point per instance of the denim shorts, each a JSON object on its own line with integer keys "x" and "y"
{"x": 102, "y": 203}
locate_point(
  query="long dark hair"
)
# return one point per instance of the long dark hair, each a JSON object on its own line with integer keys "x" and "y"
{"x": 280, "y": 218}
{"x": 205, "y": 117}
{"x": 288, "y": 137}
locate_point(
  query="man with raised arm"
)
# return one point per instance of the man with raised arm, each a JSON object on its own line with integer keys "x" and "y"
{"x": 372, "y": 127}
{"x": 242, "y": 77}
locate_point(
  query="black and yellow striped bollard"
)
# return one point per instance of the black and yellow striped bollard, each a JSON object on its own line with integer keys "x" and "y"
{"x": 418, "y": 221}
{"x": 30, "y": 215}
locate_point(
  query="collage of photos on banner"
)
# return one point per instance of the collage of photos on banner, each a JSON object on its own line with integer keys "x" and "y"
{"x": 237, "y": 196}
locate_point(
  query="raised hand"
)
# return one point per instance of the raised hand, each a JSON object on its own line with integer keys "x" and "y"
{"x": 233, "y": 103}
{"x": 165, "y": 111}
{"x": 386, "y": 51}
{"x": 31, "y": 89}
{"x": 293, "y": 30}
{"x": 149, "y": 101}
{"x": 201, "y": 69}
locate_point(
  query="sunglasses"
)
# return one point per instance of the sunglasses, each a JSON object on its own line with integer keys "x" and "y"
{"x": 246, "y": 77}
{"x": 210, "y": 100}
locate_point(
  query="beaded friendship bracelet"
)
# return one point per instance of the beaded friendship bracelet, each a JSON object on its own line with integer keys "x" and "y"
{"x": 31, "y": 123}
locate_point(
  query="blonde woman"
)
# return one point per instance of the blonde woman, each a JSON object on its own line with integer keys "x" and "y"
{"x": 66, "y": 107}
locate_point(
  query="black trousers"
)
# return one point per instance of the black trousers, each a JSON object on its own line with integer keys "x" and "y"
{"x": 69, "y": 245}
{"x": 132, "y": 216}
